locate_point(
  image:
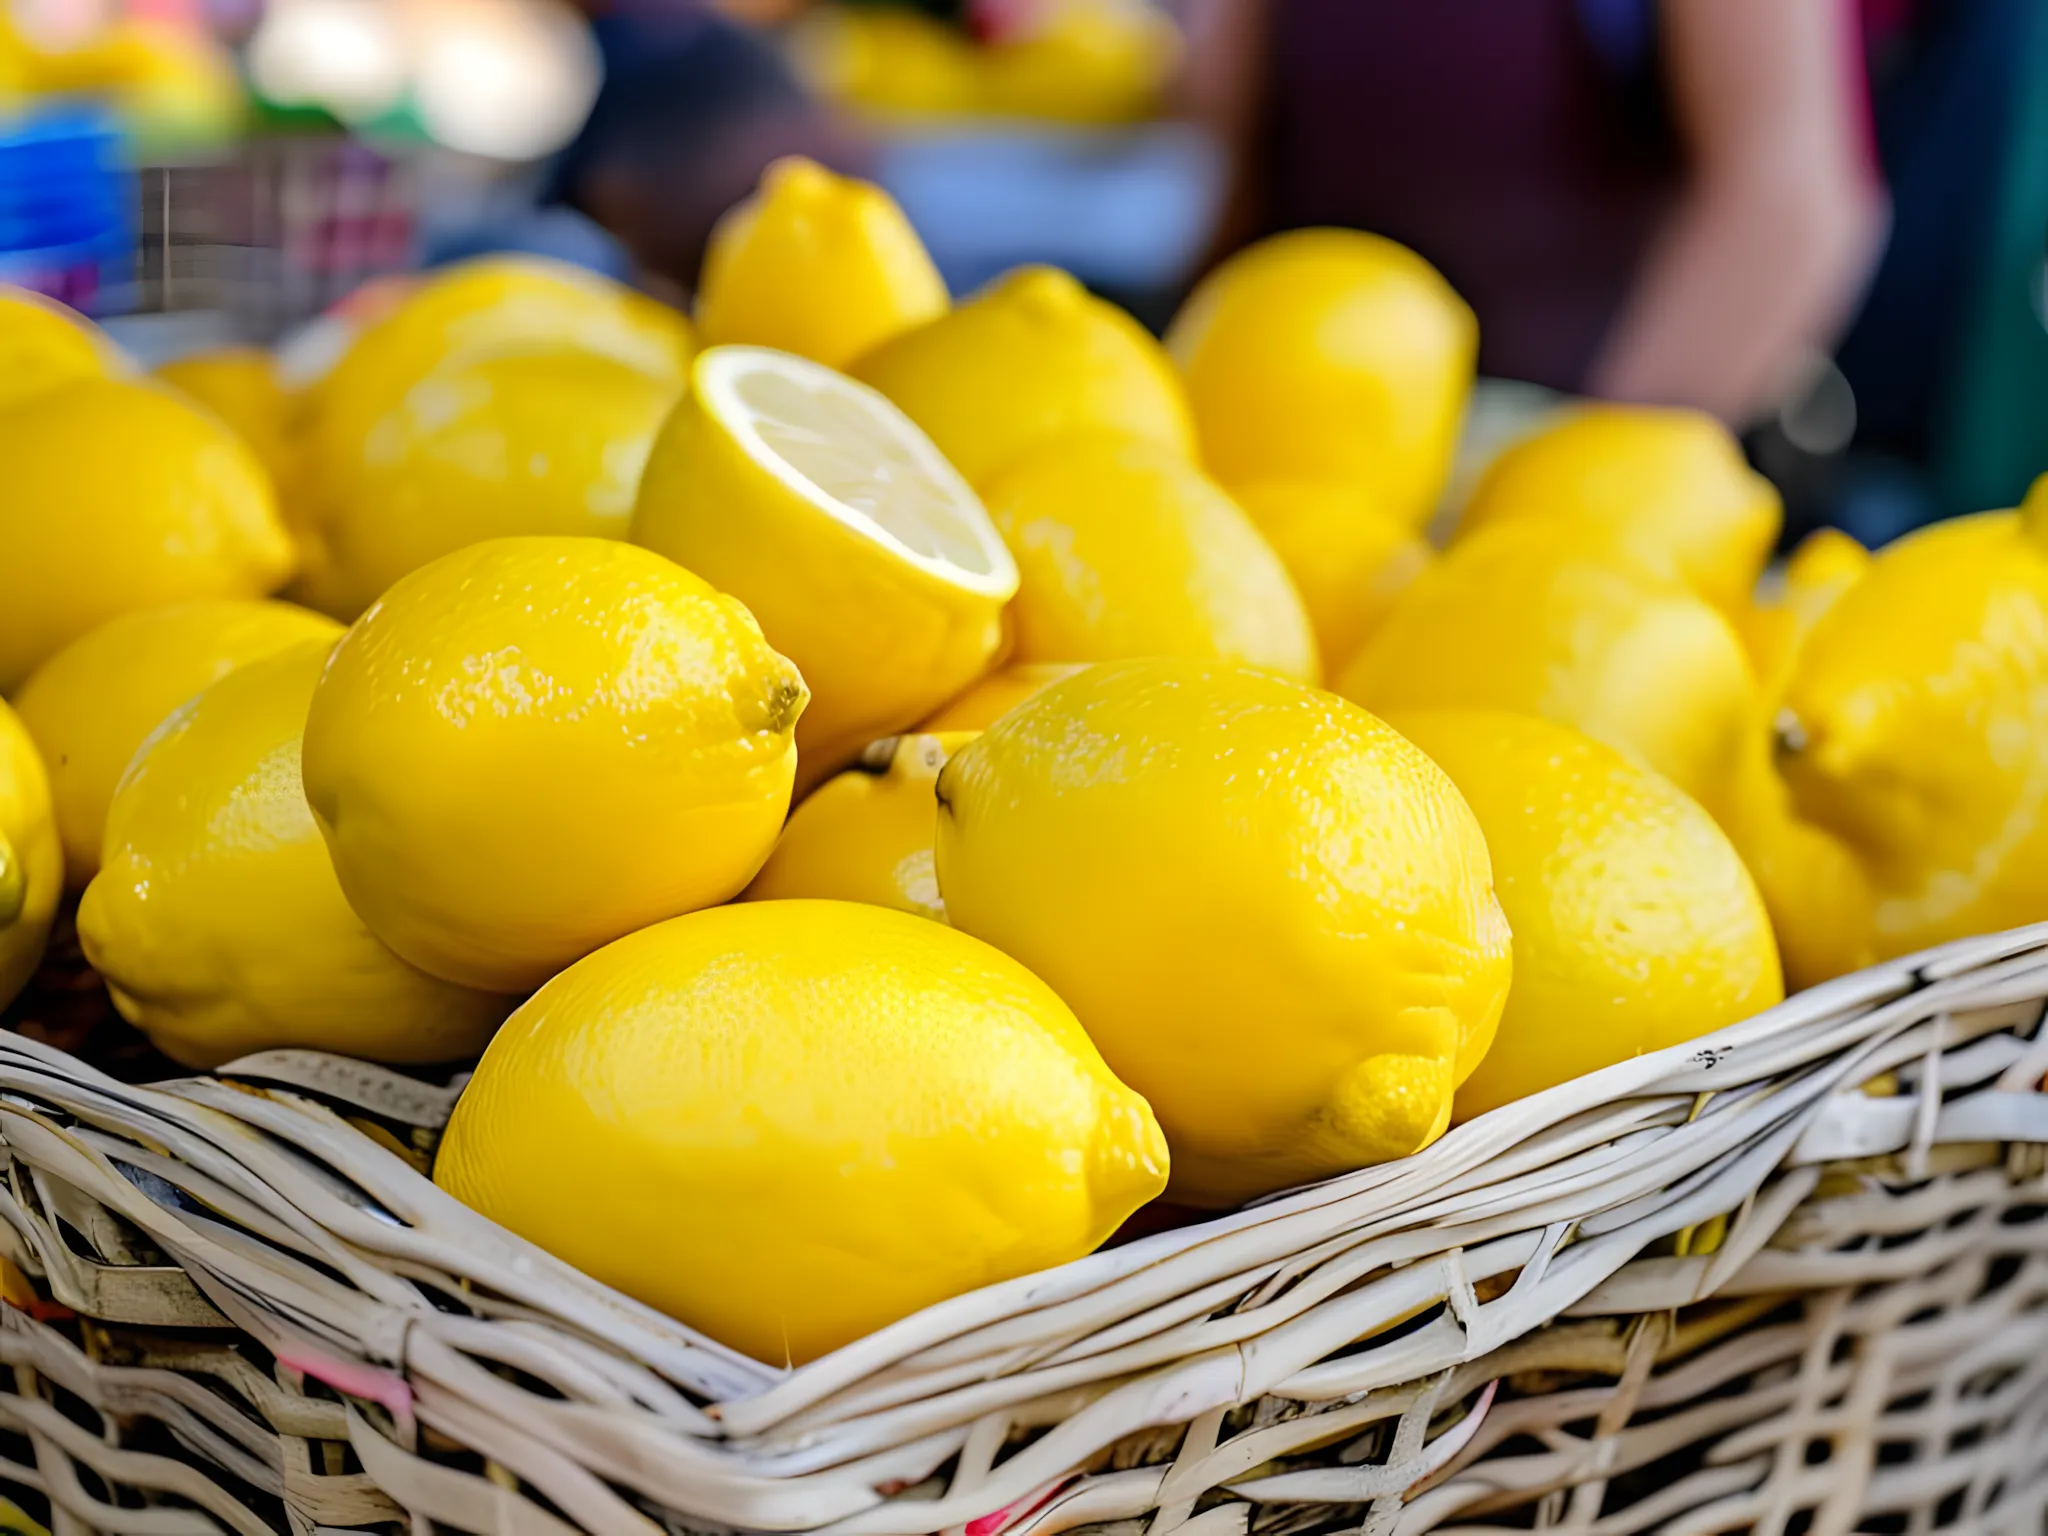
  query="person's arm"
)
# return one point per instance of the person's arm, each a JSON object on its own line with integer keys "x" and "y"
{"x": 1781, "y": 218}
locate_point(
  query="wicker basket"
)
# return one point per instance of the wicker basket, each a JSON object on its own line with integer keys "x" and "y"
{"x": 1793, "y": 1277}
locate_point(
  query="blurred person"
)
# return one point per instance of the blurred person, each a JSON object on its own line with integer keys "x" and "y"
{"x": 1670, "y": 202}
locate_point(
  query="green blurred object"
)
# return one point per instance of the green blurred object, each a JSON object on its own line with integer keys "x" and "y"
{"x": 1992, "y": 439}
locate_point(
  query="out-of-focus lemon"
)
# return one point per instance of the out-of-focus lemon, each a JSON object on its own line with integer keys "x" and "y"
{"x": 1085, "y": 61}
{"x": 1272, "y": 913}
{"x": 532, "y": 746}
{"x": 217, "y": 921}
{"x": 1350, "y": 561}
{"x": 1824, "y": 566}
{"x": 241, "y": 386}
{"x": 1126, "y": 549}
{"x": 821, "y": 265}
{"x": 1915, "y": 727}
{"x": 1671, "y": 482}
{"x": 1329, "y": 355}
{"x": 865, "y": 557}
{"x": 866, "y": 834}
{"x": 996, "y": 695}
{"x": 44, "y": 345}
{"x": 1535, "y": 621}
{"x": 1635, "y": 925}
{"x": 31, "y": 858}
{"x": 888, "y": 59}
{"x": 1031, "y": 357}
{"x": 543, "y": 442}
{"x": 120, "y": 496}
{"x": 90, "y": 706}
{"x": 862, "y": 1112}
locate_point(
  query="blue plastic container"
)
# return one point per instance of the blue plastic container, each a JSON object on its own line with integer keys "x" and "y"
{"x": 67, "y": 206}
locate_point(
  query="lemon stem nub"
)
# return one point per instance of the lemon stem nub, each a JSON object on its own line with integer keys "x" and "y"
{"x": 13, "y": 883}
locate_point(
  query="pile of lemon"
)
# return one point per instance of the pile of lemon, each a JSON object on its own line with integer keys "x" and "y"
{"x": 1169, "y": 816}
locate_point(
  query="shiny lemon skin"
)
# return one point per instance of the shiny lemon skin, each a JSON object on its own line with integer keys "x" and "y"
{"x": 1671, "y": 481}
{"x": 1915, "y": 729}
{"x": 90, "y": 706}
{"x": 532, "y": 746}
{"x": 790, "y": 1123}
{"x": 31, "y": 858}
{"x": 1525, "y": 619}
{"x": 241, "y": 386}
{"x": 543, "y": 442}
{"x": 1635, "y": 924}
{"x": 1029, "y": 357}
{"x": 121, "y": 496}
{"x": 821, "y": 265}
{"x": 1350, "y": 560}
{"x": 866, "y": 834}
{"x": 996, "y": 695}
{"x": 1329, "y": 355}
{"x": 44, "y": 345}
{"x": 1272, "y": 914}
{"x": 217, "y": 921}
{"x": 1126, "y": 549}
{"x": 883, "y": 631}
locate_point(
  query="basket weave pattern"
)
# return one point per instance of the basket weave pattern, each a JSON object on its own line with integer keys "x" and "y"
{"x": 1791, "y": 1277}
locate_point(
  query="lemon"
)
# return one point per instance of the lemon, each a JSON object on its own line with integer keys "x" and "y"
{"x": 44, "y": 345}
{"x": 543, "y": 442}
{"x": 31, "y": 858}
{"x": 90, "y": 706}
{"x": 821, "y": 265}
{"x": 1030, "y": 357}
{"x": 1329, "y": 355}
{"x": 1125, "y": 549}
{"x": 217, "y": 921}
{"x": 241, "y": 386}
{"x": 1349, "y": 559}
{"x": 997, "y": 694}
{"x": 1635, "y": 925}
{"x": 534, "y": 745}
{"x": 888, "y": 59}
{"x": 1915, "y": 728}
{"x": 121, "y": 496}
{"x": 1533, "y": 621}
{"x": 1825, "y": 565}
{"x": 1671, "y": 481}
{"x": 793, "y": 1122}
{"x": 1272, "y": 914}
{"x": 1084, "y": 61}
{"x": 865, "y": 557}
{"x": 866, "y": 834}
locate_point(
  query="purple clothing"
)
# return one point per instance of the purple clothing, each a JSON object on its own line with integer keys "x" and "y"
{"x": 1502, "y": 139}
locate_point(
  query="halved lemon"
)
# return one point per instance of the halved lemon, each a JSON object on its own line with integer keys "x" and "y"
{"x": 865, "y": 556}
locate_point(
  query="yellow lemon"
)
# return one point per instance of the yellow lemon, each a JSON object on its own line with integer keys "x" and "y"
{"x": 1824, "y": 566}
{"x": 44, "y": 345}
{"x": 1030, "y": 357}
{"x": 1272, "y": 914}
{"x": 1915, "y": 727}
{"x": 862, "y": 1113}
{"x": 1635, "y": 925}
{"x": 217, "y": 921}
{"x": 1126, "y": 549}
{"x": 91, "y": 705}
{"x": 544, "y": 442}
{"x": 821, "y": 265}
{"x": 1672, "y": 482}
{"x": 1524, "y": 619}
{"x": 866, "y": 834}
{"x": 888, "y": 59}
{"x": 121, "y": 496}
{"x": 241, "y": 386}
{"x": 1329, "y": 355}
{"x": 532, "y": 746}
{"x": 1349, "y": 559}
{"x": 997, "y": 694}
{"x": 31, "y": 858}
{"x": 1085, "y": 61}
{"x": 865, "y": 557}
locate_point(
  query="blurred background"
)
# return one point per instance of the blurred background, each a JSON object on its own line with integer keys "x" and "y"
{"x": 1826, "y": 221}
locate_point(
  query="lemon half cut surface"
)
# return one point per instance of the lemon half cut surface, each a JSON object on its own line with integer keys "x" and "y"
{"x": 868, "y": 560}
